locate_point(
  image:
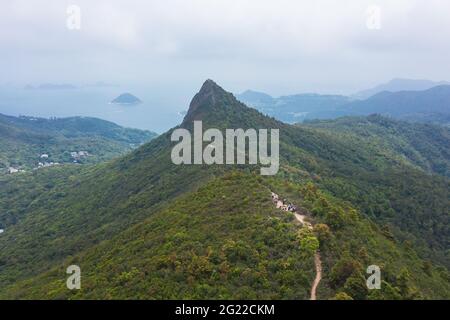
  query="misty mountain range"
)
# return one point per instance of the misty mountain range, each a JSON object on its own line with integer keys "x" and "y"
{"x": 399, "y": 84}
{"x": 413, "y": 100}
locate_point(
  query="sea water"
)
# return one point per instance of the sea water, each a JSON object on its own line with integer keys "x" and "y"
{"x": 154, "y": 113}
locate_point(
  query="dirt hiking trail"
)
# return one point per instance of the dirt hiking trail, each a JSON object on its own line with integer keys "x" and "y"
{"x": 302, "y": 219}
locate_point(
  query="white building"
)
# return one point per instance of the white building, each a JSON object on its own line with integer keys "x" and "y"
{"x": 12, "y": 170}
{"x": 80, "y": 154}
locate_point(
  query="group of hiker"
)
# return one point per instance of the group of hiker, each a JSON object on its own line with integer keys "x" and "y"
{"x": 281, "y": 204}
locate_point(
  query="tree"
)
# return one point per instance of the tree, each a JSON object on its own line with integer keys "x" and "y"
{"x": 342, "y": 296}
{"x": 335, "y": 218}
{"x": 356, "y": 286}
{"x": 322, "y": 232}
{"x": 308, "y": 242}
{"x": 343, "y": 269}
{"x": 387, "y": 292}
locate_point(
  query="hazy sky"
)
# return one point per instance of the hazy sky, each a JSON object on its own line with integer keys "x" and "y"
{"x": 277, "y": 46}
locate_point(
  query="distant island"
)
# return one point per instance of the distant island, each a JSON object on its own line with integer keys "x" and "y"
{"x": 51, "y": 86}
{"x": 127, "y": 99}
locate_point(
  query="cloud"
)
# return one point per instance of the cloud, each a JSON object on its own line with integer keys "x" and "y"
{"x": 284, "y": 38}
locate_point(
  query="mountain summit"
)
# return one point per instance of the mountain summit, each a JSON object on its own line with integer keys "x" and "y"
{"x": 218, "y": 108}
{"x": 210, "y": 95}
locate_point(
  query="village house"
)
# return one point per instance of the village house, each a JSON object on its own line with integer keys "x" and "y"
{"x": 12, "y": 170}
{"x": 80, "y": 154}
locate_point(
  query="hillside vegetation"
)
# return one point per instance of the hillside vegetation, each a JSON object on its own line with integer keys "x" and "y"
{"x": 26, "y": 141}
{"x": 216, "y": 243}
{"x": 142, "y": 227}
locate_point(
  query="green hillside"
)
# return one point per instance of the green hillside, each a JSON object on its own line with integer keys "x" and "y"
{"x": 26, "y": 141}
{"x": 142, "y": 227}
{"x": 423, "y": 145}
{"x": 213, "y": 243}
{"x": 216, "y": 243}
